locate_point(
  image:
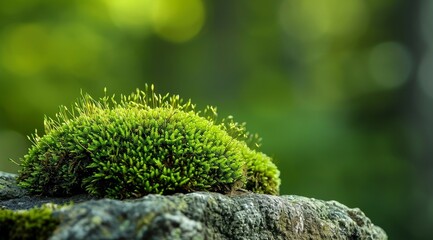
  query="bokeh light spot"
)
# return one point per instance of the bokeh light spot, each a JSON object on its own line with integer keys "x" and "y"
{"x": 312, "y": 20}
{"x": 76, "y": 47}
{"x": 178, "y": 21}
{"x": 23, "y": 49}
{"x": 35, "y": 49}
{"x": 131, "y": 14}
{"x": 390, "y": 64}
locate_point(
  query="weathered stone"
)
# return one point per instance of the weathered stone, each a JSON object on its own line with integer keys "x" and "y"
{"x": 9, "y": 188}
{"x": 16, "y": 198}
{"x": 203, "y": 215}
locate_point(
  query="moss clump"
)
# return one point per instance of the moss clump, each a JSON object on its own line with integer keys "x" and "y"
{"x": 36, "y": 223}
{"x": 146, "y": 143}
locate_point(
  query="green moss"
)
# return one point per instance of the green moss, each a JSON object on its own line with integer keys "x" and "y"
{"x": 146, "y": 143}
{"x": 36, "y": 223}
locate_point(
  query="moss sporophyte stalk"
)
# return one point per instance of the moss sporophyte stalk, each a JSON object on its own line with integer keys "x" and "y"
{"x": 144, "y": 143}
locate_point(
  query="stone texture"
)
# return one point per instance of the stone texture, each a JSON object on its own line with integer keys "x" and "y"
{"x": 8, "y": 187}
{"x": 203, "y": 215}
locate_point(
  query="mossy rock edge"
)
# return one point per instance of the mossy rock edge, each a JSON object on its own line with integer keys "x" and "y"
{"x": 36, "y": 223}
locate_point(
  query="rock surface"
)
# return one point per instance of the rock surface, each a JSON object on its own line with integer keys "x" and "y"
{"x": 200, "y": 215}
{"x": 8, "y": 187}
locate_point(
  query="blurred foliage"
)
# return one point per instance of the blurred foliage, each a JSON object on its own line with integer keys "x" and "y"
{"x": 329, "y": 84}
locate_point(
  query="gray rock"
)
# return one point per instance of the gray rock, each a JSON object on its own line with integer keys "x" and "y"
{"x": 9, "y": 188}
{"x": 15, "y": 198}
{"x": 203, "y": 215}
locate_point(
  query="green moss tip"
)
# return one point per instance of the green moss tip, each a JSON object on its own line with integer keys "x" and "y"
{"x": 145, "y": 143}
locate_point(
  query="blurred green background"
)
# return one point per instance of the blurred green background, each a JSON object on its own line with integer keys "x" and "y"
{"x": 340, "y": 91}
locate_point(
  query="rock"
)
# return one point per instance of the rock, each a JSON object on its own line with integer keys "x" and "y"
{"x": 204, "y": 215}
{"x": 16, "y": 198}
{"x": 9, "y": 188}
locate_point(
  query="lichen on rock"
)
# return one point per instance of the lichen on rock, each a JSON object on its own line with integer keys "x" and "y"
{"x": 36, "y": 223}
{"x": 146, "y": 143}
{"x": 203, "y": 215}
